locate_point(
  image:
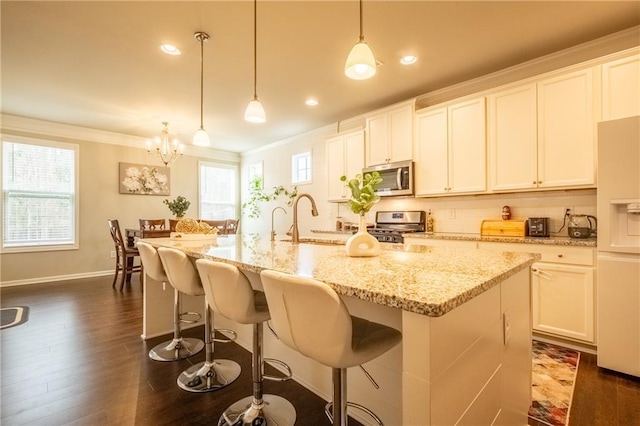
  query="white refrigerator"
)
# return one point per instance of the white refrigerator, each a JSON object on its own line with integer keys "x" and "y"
{"x": 618, "y": 265}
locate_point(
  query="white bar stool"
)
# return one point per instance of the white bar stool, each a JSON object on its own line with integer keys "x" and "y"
{"x": 230, "y": 293}
{"x": 310, "y": 317}
{"x": 210, "y": 374}
{"x": 178, "y": 347}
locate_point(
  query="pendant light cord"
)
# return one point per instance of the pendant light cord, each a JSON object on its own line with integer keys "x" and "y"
{"x": 361, "y": 32}
{"x": 201, "y": 82}
{"x": 255, "y": 49}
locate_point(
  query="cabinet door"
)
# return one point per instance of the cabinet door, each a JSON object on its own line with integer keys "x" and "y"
{"x": 512, "y": 133}
{"x": 401, "y": 133}
{"x": 335, "y": 168}
{"x": 353, "y": 155}
{"x": 562, "y": 300}
{"x": 467, "y": 147}
{"x": 378, "y": 140}
{"x": 431, "y": 169}
{"x": 566, "y": 136}
{"x": 620, "y": 90}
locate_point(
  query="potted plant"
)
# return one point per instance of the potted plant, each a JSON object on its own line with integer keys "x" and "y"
{"x": 178, "y": 206}
{"x": 257, "y": 195}
{"x": 363, "y": 197}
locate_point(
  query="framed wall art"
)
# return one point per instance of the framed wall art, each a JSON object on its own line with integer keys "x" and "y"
{"x": 142, "y": 179}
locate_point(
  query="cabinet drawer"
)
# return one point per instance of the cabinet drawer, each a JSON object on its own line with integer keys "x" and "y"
{"x": 571, "y": 255}
{"x": 552, "y": 254}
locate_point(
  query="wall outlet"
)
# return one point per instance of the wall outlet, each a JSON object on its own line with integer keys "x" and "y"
{"x": 452, "y": 213}
{"x": 567, "y": 211}
{"x": 112, "y": 254}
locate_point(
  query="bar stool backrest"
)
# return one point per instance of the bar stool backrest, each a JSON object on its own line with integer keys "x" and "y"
{"x": 308, "y": 316}
{"x": 180, "y": 271}
{"x": 151, "y": 262}
{"x": 229, "y": 292}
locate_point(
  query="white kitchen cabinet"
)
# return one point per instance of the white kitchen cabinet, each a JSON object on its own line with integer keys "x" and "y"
{"x": 563, "y": 289}
{"x": 450, "y": 149}
{"x": 512, "y": 133}
{"x": 566, "y": 130}
{"x": 541, "y": 135}
{"x": 390, "y": 135}
{"x": 345, "y": 157}
{"x": 563, "y": 300}
{"x": 621, "y": 88}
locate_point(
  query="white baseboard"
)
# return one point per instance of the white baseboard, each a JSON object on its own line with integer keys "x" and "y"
{"x": 55, "y": 278}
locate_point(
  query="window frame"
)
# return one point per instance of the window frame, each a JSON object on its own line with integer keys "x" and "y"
{"x": 294, "y": 168}
{"x": 221, "y": 165}
{"x": 75, "y": 244}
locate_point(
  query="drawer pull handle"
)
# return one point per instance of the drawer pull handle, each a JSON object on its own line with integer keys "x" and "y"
{"x": 561, "y": 255}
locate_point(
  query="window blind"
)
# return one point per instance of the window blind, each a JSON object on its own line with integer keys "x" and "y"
{"x": 38, "y": 183}
{"x": 218, "y": 191}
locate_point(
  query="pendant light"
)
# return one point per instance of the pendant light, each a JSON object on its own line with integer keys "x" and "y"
{"x": 360, "y": 64}
{"x": 255, "y": 112}
{"x": 201, "y": 138}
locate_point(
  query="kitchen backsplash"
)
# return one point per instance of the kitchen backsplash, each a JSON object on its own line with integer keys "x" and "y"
{"x": 464, "y": 214}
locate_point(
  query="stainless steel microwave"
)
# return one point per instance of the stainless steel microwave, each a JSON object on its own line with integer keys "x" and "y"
{"x": 397, "y": 178}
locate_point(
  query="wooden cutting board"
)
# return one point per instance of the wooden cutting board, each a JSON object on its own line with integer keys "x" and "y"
{"x": 503, "y": 228}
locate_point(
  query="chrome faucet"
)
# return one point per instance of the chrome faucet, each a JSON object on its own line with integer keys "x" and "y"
{"x": 295, "y": 237}
{"x": 273, "y": 232}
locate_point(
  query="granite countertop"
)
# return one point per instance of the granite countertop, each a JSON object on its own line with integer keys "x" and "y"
{"x": 426, "y": 280}
{"x": 554, "y": 241}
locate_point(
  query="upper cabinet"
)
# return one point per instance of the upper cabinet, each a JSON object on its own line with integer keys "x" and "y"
{"x": 542, "y": 135}
{"x": 345, "y": 157}
{"x": 389, "y": 134}
{"x": 621, "y": 88}
{"x": 449, "y": 149}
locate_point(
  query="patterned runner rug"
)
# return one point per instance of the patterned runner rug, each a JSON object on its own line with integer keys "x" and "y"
{"x": 554, "y": 377}
{"x": 13, "y": 316}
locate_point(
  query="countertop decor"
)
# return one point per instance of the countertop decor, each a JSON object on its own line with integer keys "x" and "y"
{"x": 363, "y": 197}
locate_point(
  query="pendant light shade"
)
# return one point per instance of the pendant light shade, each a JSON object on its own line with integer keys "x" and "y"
{"x": 255, "y": 111}
{"x": 360, "y": 64}
{"x": 201, "y": 138}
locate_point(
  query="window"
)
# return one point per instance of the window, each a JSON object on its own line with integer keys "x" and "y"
{"x": 218, "y": 191}
{"x": 39, "y": 189}
{"x": 301, "y": 168}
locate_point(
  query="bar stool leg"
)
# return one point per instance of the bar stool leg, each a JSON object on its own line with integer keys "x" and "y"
{"x": 178, "y": 347}
{"x": 210, "y": 374}
{"x": 259, "y": 409}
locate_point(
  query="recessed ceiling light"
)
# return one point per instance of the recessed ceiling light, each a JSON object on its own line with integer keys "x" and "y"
{"x": 170, "y": 49}
{"x": 311, "y": 102}
{"x": 408, "y": 60}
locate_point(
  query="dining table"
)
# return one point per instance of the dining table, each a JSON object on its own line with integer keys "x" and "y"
{"x": 132, "y": 234}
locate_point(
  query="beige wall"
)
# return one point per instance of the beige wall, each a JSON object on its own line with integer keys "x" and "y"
{"x": 100, "y": 200}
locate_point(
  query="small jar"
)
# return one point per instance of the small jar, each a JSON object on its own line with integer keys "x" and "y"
{"x": 506, "y": 213}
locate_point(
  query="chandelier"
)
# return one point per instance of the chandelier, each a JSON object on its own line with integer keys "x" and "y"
{"x": 167, "y": 151}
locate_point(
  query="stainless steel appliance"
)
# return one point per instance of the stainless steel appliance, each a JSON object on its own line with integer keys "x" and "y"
{"x": 618, "y": 266}
{"x": 538, "y": 226}
{"x": 397, "y": 178}
{"x": 392, "y": 225}
{"x": 582, "y": 226}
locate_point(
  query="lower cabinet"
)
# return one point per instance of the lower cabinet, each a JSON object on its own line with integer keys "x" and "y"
{"x": 563, "y": 285}
{"x": 563, "y": 300}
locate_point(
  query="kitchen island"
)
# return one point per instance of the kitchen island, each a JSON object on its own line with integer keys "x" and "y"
{"x": 464, "y": 314}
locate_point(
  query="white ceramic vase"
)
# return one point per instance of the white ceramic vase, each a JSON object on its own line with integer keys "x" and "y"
{"x": 362, "y": 243}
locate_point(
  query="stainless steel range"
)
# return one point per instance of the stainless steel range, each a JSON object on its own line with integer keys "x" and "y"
{"x": 392, "y": 225}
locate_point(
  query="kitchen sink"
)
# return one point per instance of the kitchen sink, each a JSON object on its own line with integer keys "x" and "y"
{"x": 318, "y": 241}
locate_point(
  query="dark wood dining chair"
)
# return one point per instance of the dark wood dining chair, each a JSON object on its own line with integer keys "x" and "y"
{"x": 152, "y": 224}
{"x": 125, "y": 256}
{"x": 220, "y": 224}
{"x": 231, "y": 227}
{"x": 172, "y": 224}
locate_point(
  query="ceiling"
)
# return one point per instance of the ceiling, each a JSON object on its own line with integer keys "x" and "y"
{"x": 97, "y": 64}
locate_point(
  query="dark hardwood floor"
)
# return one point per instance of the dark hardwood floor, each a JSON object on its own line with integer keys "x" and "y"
{"x": 79, "y": 360}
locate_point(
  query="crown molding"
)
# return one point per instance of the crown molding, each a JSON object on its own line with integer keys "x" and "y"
{"x": 25, "y": 126}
